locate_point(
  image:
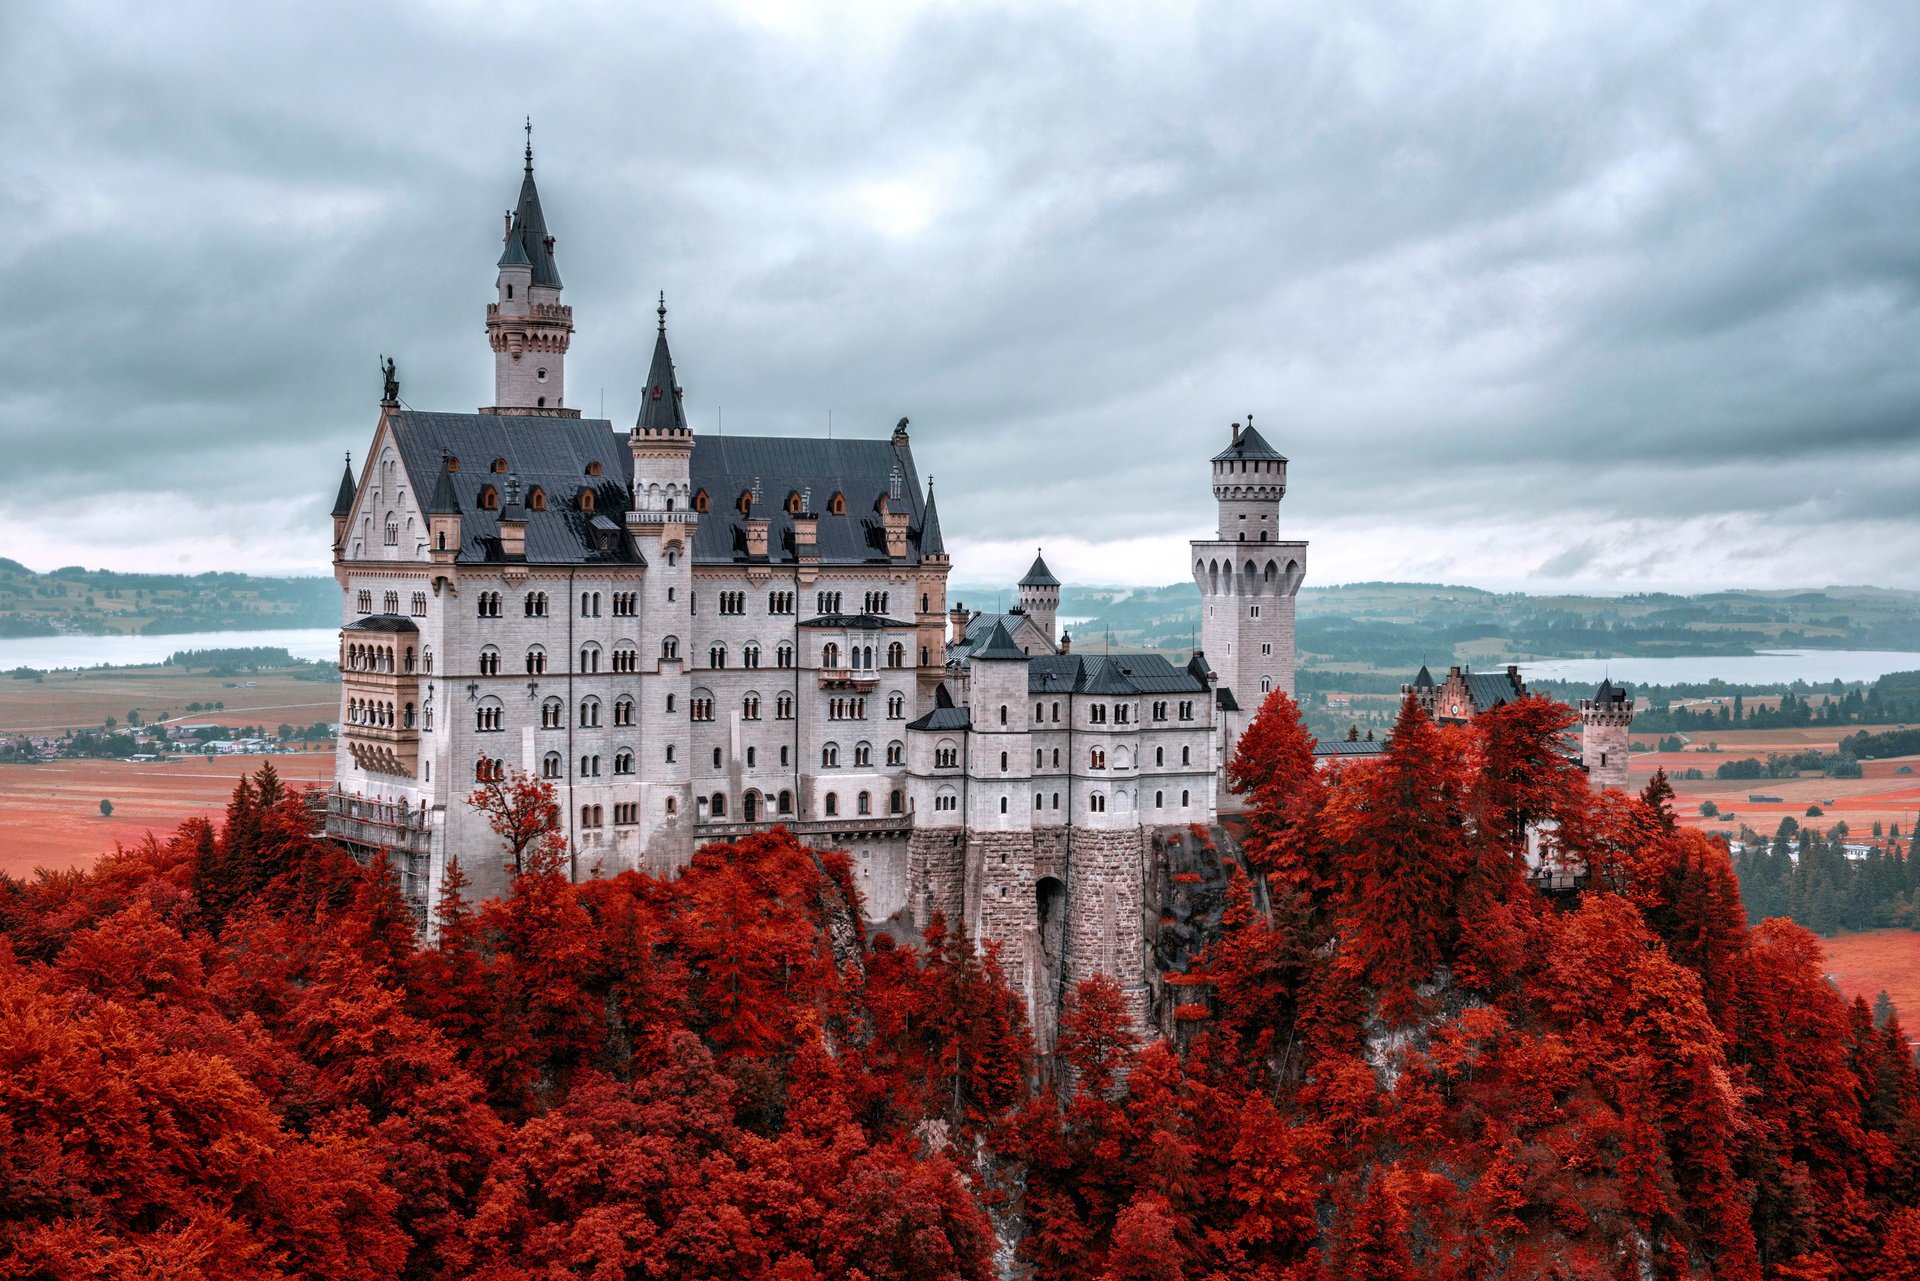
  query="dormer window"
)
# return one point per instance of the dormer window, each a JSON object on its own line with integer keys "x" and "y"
{"x": 837, "y": 505}
{"x": 489, "y": 498}
{"x": 593, "y": 469}
{"x": 700, "y": 502}
{"x": 453, "y": 464}
{"x": 536, "y": 499}
{"x": 586, "y": 500}
{"x": 746, "y": 502}
{"x": 793, "y": 503}
{"x": 500, "y": 465}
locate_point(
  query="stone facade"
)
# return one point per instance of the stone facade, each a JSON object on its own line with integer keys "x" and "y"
{"x": 1606, "y": 729}
{"x": 691, "y": 639}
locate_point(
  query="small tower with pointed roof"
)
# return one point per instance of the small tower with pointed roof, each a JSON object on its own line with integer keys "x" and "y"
{"x": 343, "y": 507}
{"x": 1606, "y": 730}
{"x": 528, "y": 327}
{"x": 1040, "y": 598}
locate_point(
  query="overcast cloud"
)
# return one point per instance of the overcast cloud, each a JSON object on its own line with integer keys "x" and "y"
{"x": 1598, "y": 295}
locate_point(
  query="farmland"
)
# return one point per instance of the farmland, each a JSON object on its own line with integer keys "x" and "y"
{"x": 65, "y": 700}
{"x": 1867, "y": 963}
{"x": 50, "y": 812}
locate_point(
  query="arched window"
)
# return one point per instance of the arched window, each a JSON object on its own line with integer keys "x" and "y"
{"x": 536, "y": 499}
{"x": 489, "y": 661}
{"x": 786, "y": 802}
{"x": 1097, "y": 803}
{"x": 669, "y": 647}
{"x": 589, "y": 657}
{"x": 716, "y": 655}
{"x": 896, "y": 753}
{"x": 830, "y": 756}
{"x": 623, "y": 710}
{"x": 717, "y": 806}
{"x": 589, "y": 713}
{"x": 550, "y": 765}
{"x": 833, "y": 805}
{"x": 536, "y": 660}
{"x": 587, "y": 500}
{"x": 897, "y": 802}
{"x": 700, "y": 501}
{"x": 745, "y": 502}
{"x": 896, "y": 655}
{"x": 863, "y": 754}
{"x": 793, "y": 503}
{"x": 553, "y": 714}
{"x": 864, "y": 803}
{"x": 837, "y": 505}
{"x": 593, "y": 469}
{"x": 750, "y": 708}
{"x": 489, "y": 717}
{"x": 830, "y": 655}
{"x": 489, "y": 498}
{"x": 1183, "y": 799}
{"x": 673, "y": 807}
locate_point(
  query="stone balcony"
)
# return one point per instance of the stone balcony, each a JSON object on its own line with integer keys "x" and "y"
{"x": 863, "y": 678}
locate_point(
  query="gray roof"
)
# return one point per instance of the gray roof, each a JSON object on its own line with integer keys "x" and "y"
{"x": 555, "y": 454}
{"x": 660, "y": 406}
{"x": 381, "y": 623}
{"x": 1609, "y": 692}
{"x": 1424, "y": 680}
{"x": 1343, "y": 748}
{"x": 1039, "y": 575}
{"x": 1110, "y": 674}
{"x": 1251, "y": 445}
{"x": 1490, "y": 691}
{"x": 443, "y": 502}
{"x": 1000, "y": 645}
{"x": 860, "y": 471}
{"x": 858, "y": 622}
{"x": 528, "y": 244}
{"x": 944, "y": 718}
{"x": 343, "y": 501}
{"x": 930, "y": 541}
{"x": 552, "y": 453}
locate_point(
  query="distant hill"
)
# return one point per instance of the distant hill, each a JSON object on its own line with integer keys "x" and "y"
{"x": 98, "y": 602}
{"x": 1395, "y": 627}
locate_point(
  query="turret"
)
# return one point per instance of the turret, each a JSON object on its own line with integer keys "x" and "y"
{"x": 513, "y": 522}
{"x": 1040, "y": 596}
{"x": 443, "y": 518}
{"x": 528, "y": 327}
{"x": 1606, "y": 724}
{"x": 343, "y": 507}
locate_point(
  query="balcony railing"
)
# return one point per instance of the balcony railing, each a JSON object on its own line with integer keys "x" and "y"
{"x": 378, "y": 824}
{"x": 862, "y": 678}
{"x": 867, "y": 824}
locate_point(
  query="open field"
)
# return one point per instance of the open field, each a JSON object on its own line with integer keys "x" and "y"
{"x": 50, "y": 813}
{"x": 84, "y": 699}
{"x": 1885, "y": 795}
{"x": 1865, "y": 964}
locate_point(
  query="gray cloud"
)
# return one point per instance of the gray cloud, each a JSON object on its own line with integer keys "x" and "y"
{"x": 1622, "y": 295}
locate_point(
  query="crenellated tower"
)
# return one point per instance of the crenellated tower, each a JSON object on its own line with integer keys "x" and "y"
{"x": 1248, "y": 579}
{"x": 1606, "y": 725}
{"x": 528, "y": 327}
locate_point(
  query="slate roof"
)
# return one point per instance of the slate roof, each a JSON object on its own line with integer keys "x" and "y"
{"x": 1039, "y": 575}
{"x": 1609, "y": 692}
{"x": 527, "y": 235}
{"x": 1343, "y": 748}
{"x": 857, "y": 622}
{"x": 1424, "y": 680}
{"x": 944, "y": 718}
{"x": 1251, "y": 445}
{"x": 861, "y": 471}
{"x": 553, "y": 453}
{"x": 660, "y": 406}
{"x": 443, "y": 502}
{"x": 343, "y": 501}
{"x": 1114, "y": 674}
{"x": 1490, "y": 691}
{"x": 381, "y": 623}
{"x": 1000, "y": 645}
{"x": 930, "y": 541}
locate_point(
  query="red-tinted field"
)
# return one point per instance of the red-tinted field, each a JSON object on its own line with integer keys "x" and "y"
{"x": 50, "y": 813}
{"x": 1867, "y": 963}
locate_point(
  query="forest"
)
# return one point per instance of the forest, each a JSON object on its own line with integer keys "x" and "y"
{"x": 225, "y": 1054}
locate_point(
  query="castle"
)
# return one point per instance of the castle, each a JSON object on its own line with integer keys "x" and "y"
{"x": 695, "y": 637}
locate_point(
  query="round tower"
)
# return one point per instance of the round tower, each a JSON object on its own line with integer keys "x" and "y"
{"x": 1040, "y": 598}
{"x": 1248, "y": 578}
{"x": 1606, "y": 724}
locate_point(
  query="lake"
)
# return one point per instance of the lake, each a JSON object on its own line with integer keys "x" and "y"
{"x": 1815, "y": 666}
{"x": 49, "y": 652}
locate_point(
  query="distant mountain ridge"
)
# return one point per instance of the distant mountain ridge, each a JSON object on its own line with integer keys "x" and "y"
{"x": 99, "y": 602}
{"x": 1388, "y": 626}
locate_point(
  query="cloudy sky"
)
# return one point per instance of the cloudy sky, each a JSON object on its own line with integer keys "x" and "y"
{"x": 1596, "y": 295}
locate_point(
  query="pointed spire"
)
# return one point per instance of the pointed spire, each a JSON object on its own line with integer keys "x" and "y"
{"x": 930, "y": 542}
{"x": 528, "y": 244}
{"x": 660, "y": 408}
{"x": 1424, "y": 680}
{"x": 343, "y": 501}
{"x": 1039, "y": 575}
{"x": 443, "y": 502}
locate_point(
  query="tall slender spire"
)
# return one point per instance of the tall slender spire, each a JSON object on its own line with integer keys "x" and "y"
{"x": 930, "y": 541}
{"x": 528, "y": 327}
{"x": 660, "y": 408}
{"x": 343, "y": 501}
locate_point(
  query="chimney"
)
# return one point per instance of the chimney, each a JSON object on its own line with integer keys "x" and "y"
{"x": 1066, "y": 642}
{"x": 513, "y": 522}
{"x": 757, "y": 525}
{"x": 806, "y": 528}
{"x": 895, "y": 517}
